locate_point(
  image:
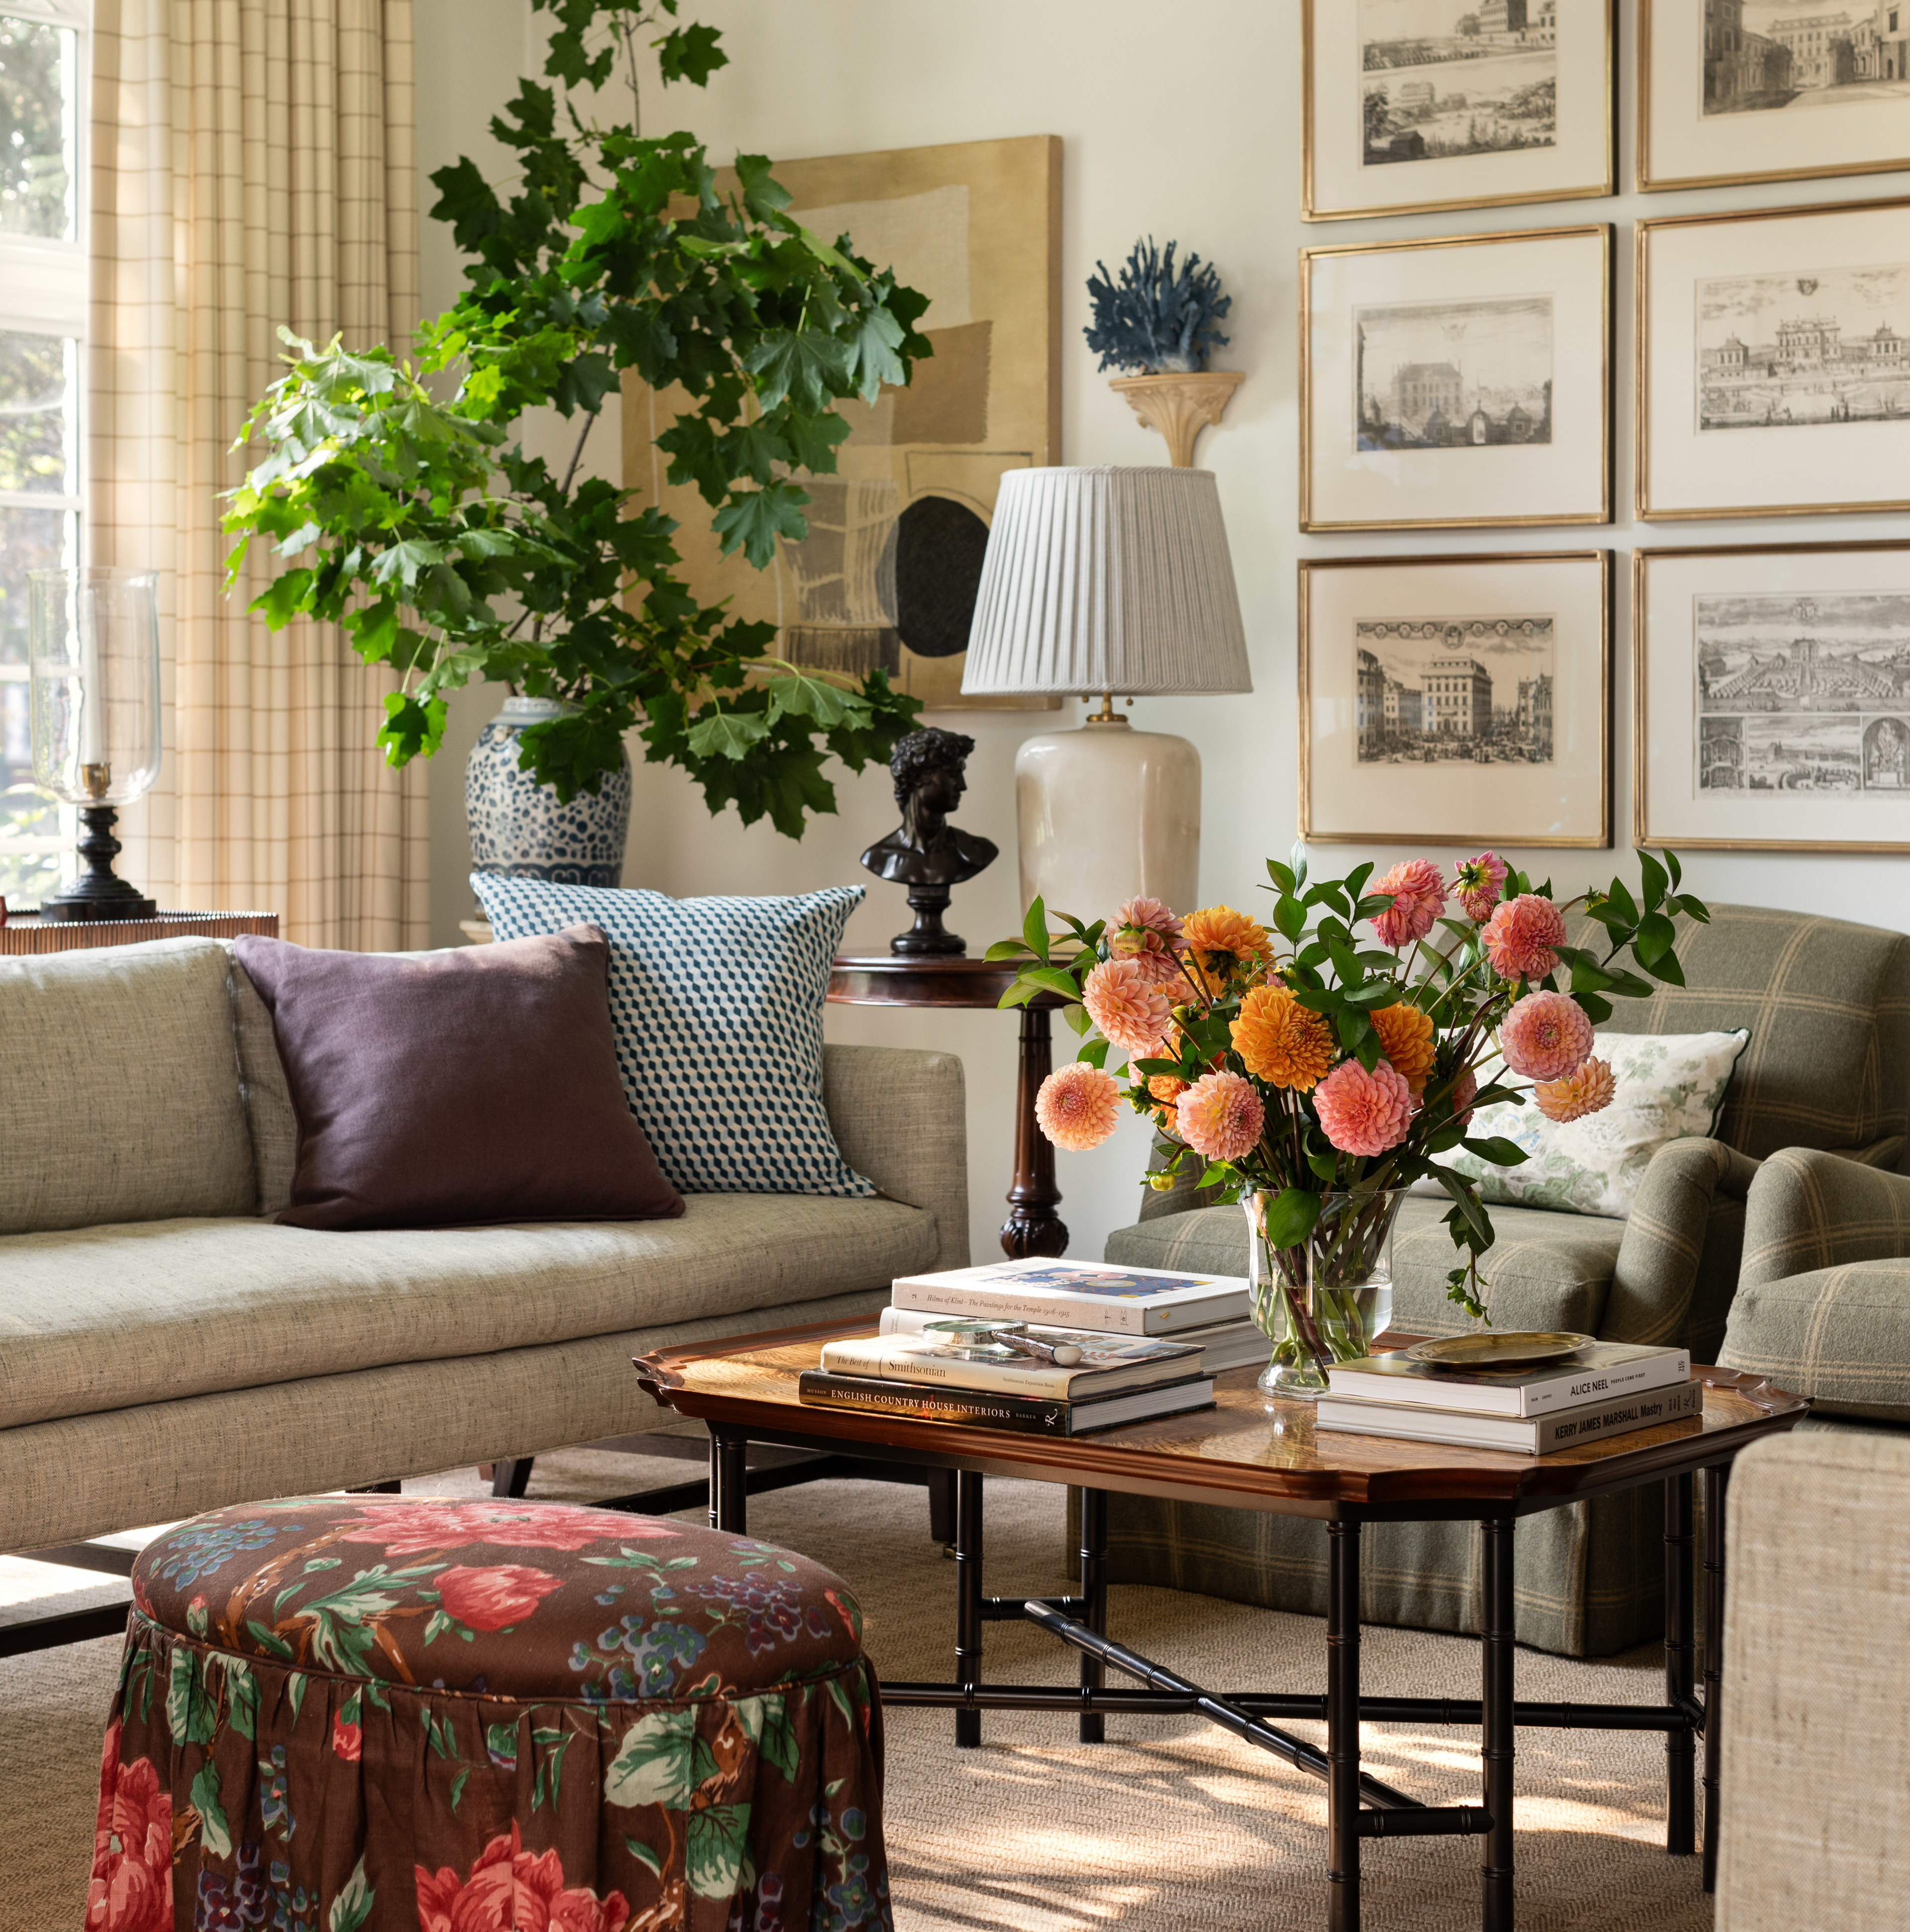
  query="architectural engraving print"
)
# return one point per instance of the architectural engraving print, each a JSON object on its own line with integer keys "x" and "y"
{"x": 1445, "y": 77}
{"x": 1446, "y": 690}
{"x": 1453, "y": 375}
{"x": 1763, "y": 55}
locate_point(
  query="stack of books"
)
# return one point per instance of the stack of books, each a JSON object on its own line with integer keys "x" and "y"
{"x": 1135, "y": 1343}
{"x": 1608, "y": 1388}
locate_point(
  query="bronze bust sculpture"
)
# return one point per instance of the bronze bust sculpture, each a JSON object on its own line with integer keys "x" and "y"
{"x": 926, "y": 852}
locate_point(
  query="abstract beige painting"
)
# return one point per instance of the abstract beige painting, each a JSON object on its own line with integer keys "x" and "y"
{"x": 888, "y": 573}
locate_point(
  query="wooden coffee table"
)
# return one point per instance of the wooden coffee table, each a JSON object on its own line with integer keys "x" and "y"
{"x": 1248, "y": 1454}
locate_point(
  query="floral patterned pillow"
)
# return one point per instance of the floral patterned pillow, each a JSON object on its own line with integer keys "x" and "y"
{"x": 1670, "y": 1087}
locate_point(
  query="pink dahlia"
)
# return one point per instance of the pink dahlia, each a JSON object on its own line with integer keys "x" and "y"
{"x": 1144, "y": 931}
{"x": 1588, "y": 1090}
{"x": 1220, "y": 1116}
{"x": 1362, "y": 1112}
{"x": 1521, "y": 934}
{"x": 1477, "y": 883}
{"x": 1545, "y": 1036}
{"x": 1078, "y": 1106}
{"x": 1124, "y": 999}
{"x": 1418, "y": 896}
{"x": 1465, "y": 1091}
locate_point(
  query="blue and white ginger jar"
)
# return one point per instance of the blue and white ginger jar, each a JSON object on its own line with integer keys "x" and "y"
{"x": 517, "y": 826}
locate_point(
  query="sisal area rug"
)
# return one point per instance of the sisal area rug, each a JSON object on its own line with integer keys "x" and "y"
{"x": 1171, "y": 1825}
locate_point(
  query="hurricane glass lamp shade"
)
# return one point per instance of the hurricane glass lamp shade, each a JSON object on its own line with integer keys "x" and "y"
{"x": 93, "y": 661}
{"x": 1119, "y": 581}
{"x": 92, "y": 668}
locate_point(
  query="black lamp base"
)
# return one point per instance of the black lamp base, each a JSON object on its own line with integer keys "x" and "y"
{"x": 99, "y": 893}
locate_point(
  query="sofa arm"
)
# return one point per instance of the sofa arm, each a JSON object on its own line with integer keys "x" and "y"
{"x": 1808, "y": 1210}
{"x": 1839, "y": 1335}
{"x": 1656, "y": 1272}
{"x": 1815, "y": 1809}
{"x": 901, "y": 1117}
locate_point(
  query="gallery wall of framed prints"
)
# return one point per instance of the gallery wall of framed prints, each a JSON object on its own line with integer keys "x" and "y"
{"x": 1413, "y": 105}
{"x": 1471, "y": 382}
{"x": 1456, "y": 700}
{"x": 1771, "y": 697}
{"x": 1464, "y": 380}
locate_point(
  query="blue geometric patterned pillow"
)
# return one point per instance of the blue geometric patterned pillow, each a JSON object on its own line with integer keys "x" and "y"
{"x": 717, "y": 1008}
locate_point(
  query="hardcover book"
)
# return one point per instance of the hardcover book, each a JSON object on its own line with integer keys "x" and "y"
{"x": 1600, "y": 1372}
{"x": 1109, "y": 1363}
{"x": 1533, "y": 1436}
{"x": 1236, "y": 1344}
{"x": 982, "y": 1408}
{"x": 1080, "y": 1294}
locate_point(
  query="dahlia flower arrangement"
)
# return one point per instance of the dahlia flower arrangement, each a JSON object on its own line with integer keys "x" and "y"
{"x": 1323, "y": 1061}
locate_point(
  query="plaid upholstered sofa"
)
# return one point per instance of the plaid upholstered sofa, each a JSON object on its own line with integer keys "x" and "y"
{"x": 1818, "y": 1109}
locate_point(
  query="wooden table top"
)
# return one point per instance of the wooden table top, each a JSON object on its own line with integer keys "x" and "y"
{"x": 925, "y": 979}
{"x": 1246, "y": 1452}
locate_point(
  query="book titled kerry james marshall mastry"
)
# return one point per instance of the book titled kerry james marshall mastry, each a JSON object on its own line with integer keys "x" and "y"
{"x": 1078, "y": 1294}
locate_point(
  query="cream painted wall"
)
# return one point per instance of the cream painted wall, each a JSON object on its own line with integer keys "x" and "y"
{"x": 1209, "y": 155}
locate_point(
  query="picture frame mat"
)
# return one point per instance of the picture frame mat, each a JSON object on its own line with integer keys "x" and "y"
{"x": 1666, "y": 808}
{"x": 1568, "y": 481}
{"x": 1679, "y": 146}
{"x": 1344, "y": 801}
{"x": 1683, "y": 473}
{"x": 1582, "y": 166}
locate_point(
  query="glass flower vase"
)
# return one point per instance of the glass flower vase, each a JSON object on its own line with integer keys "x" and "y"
{"x": 1323, "y": 1300}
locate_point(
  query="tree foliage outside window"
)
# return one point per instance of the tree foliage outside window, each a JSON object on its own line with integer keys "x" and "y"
{"x": 36, "y": 174}
{"x": 446, "y": 551}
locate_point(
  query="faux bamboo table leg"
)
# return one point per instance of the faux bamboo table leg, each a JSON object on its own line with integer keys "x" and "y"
{"x": 1343, "y": 1726}
{"x": 1680, "y": 1747}
{"x": 1716, "y": 1480}
{"x": 1497, "y": 1743}
{"x": 1094, "y": 1597}
{"x": 968, "y": 1600}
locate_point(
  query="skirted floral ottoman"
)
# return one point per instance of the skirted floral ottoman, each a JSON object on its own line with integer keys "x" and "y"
{"x": 358, "y": 1714}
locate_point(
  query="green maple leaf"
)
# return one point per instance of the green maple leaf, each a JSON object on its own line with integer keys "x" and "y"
{"x": 728, "y": 734}
{"x": 872, "y": 357}
{"x": 806, "y": 363}
{"x": 691, "y": 53}
{"x": 754, "y": 521}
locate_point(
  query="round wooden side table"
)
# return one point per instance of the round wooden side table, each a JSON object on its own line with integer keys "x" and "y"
{"x": 894, "y": 979}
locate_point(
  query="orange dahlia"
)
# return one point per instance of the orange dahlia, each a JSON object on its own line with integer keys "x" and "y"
{"x": 1281, "y": 1042}
{"x": 1167, "y": 1088}
{"x": 1222, "y": 941}
{"x": 1406, "y": 1039}
{"x": 1587, "y": 1090}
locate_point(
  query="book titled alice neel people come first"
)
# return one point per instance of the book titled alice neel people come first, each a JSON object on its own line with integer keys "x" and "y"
{"x": 1600, "y": 1372}
{"x": 1078, "y": 1294}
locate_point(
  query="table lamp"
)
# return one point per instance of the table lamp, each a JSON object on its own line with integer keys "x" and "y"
{"x": 93, "y": 667}
{"x": 1117, "y": 581}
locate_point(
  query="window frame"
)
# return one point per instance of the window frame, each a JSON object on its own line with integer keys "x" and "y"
{"x": 47, "y": 288}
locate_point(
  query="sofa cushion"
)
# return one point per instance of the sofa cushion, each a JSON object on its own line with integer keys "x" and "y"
{"x": 465, "y": 1088}
{"x": 101, "y": 1317}
{"x": 718, "y": 1006}
{"x": 120, "y": 1085}
{"x": 1545, "y": 1270}
{"x": 274, "y": 1126}
{"x": 1839, "y": 1335}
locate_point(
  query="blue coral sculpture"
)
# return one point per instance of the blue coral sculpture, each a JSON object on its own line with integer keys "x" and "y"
{"x": 1152, "y": 320}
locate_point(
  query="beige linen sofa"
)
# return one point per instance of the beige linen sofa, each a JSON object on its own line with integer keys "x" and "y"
{"x": 165, "y": 1348}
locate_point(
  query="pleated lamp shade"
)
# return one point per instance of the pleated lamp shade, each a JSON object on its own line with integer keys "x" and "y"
{"x": 1107, "y": 579}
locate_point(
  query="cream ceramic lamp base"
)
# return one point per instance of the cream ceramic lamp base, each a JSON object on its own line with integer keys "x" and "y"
{"x": 1106, "y": 812}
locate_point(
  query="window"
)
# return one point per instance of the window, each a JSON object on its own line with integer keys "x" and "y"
{"x": 42, "y": 328}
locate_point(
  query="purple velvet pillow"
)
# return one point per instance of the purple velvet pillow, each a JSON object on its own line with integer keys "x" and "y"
{"x": 464, "y": 1088}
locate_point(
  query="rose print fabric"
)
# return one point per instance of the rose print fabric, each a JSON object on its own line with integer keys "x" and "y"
{"x": 362, "y": 1714}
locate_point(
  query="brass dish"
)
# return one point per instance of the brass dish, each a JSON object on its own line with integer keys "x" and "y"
{"x": 1516, "y": 1348}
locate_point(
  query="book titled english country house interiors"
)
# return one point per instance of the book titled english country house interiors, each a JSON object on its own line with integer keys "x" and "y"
{"x": 1081, "y": 1295}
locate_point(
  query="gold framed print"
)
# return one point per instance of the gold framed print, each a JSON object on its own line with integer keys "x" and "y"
{"x": 1774, "y": 362}
{"x": 1737, "y": 90}
{"x": 1456, "y": 700}
{"x": 1460, "y": 381}
{"x": 1413, "y": 105}
{"x": 1771, "y": 697}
